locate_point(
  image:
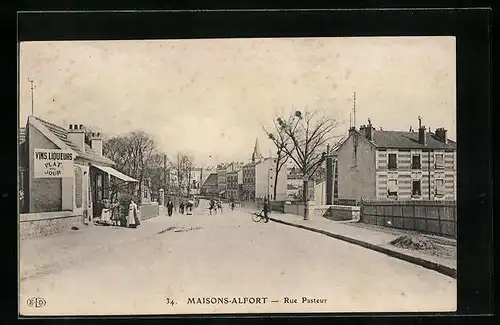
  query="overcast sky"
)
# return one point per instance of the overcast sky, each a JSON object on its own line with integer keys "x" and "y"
{"x": 209, "y": 97}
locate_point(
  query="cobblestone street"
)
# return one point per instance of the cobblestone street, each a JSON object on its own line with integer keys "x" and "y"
{"x": 229, "y": 256}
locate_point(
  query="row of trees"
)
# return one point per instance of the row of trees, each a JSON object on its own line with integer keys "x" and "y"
{"x": 303, "y": 138}
{"x": 136, "y": 154}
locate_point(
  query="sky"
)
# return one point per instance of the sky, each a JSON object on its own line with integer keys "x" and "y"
{"x": 211, "y": 97}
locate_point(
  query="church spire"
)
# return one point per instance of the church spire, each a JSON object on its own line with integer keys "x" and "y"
{"x": 256, "y": 151}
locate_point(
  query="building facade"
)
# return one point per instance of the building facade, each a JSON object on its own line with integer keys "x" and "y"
{"x": 234, "y": 184}
{"x": 265, "y": 182}
{"x": 394, "y": 165}
{"x": 210, "y": 186}
{"x": 65, "y": 171}
{"x": 248, "y": 181}
{"x": 221, "y": 179}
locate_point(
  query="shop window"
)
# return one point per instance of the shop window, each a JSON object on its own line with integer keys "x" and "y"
{"x": 415, "y": 162}
{"x": 416, "y": 189}
{"x": 393, "y": 163}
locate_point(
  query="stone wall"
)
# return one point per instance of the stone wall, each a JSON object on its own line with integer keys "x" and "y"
{"x": 340, "y": 212}
{"x": 148, "y": 211}
{"x": 43, "y": 224}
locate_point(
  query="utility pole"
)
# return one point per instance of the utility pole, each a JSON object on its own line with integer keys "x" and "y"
{"x": 354, "y": 108}
{"x": 32, "y": 101}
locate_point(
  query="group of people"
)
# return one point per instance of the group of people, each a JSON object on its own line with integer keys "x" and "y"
{"x": 110, "y": 214}
{"x": 183, "y": 207}
{"x": 214, "y": 206}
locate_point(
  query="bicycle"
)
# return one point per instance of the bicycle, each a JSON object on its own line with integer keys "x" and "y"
{"x": 257, "y": 217}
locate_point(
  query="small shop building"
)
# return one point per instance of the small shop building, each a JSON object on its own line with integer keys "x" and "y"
{"x": 63, "y": 176}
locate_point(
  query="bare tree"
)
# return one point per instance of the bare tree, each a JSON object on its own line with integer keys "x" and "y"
{"x": 281, "y": 140}
{"x": 134, "y": 154}
{"x": 184, "y": 165}
{"x": 308, "y": 134}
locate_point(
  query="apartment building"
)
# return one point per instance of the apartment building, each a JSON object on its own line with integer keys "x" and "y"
{"x": 396, "y": 165}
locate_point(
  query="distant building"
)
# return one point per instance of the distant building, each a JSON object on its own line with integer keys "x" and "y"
{"x": 210, "y": 186}
{"x": 292, "y": 191}
{"x": 265, "y": 174}
{"x": 234, "y": 184}
{"x": 248, "y": 188}
{"x": 395, "y": 165}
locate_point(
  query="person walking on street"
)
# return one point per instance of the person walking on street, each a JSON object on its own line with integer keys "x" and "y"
{"x": 132, "y": 215}
{"x": 170, "y": 207}
{"x": 219, "y": 205}
{"x": 211, "y": 206}
{"x": 181, "y": 207}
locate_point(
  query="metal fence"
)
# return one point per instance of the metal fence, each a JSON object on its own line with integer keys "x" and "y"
{"x": 433, "y": 217}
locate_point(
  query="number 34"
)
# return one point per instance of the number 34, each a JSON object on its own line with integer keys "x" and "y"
{"x": 169, "y": 301}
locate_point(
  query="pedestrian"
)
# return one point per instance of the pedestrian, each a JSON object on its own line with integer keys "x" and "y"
{"x": 219, "y": 205}
{"x": 115, "y": 212}
{"x": 132, "y": 215}
{"x": 181, "y": 207}
{"x": 170, "y": 207}
{"x": 189, "y": 205}
{"x": 212, "y": 206}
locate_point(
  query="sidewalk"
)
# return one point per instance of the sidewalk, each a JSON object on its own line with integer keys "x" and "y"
{"x": 40, "y": 255}
{"x": 372, "y": 237}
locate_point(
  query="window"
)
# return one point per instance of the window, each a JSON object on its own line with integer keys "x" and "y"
{"x": 393, "y": 161}
{"x": 392, "y": 187}
{"x": 415, "y": 162}
{"x": 416, "y": 189}
{"x": 439, "y": 159}
{"x": 145, "y": 194}
{"x": 439, "y": 187}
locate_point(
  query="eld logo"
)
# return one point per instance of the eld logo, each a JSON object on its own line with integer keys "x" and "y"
{"x": 36, "y": 302}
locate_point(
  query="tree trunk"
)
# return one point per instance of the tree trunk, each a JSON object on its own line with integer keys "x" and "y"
{"x": 305, "y": 198}
{"x": 276, "y": 179}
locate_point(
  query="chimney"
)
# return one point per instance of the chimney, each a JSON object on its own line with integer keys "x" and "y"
{"x": 369, "y": 131}
{"x": 421, "y": 133}
{"x": 77, "y": 136}
{"x": 96, "y": 143}
{"x": 362, "y": 129}
{"x": 441, "y": 135}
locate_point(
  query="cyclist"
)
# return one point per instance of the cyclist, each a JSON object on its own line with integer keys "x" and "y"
{"x": 265, "y": 210}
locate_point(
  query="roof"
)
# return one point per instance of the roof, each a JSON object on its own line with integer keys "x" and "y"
{"x": 399, "y": 139}
{"x": 62, "y": 134}
{"x": 22, "y": 135}
{"x": 407, "y": 140}
{"x": 211, "y": 180}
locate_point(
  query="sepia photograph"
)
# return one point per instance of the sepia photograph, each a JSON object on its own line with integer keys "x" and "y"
{"x": 237, "y": 176}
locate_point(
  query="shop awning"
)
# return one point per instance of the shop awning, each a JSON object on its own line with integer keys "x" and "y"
{"x": 115, "y": 173}
{"x": 222, "y": 192}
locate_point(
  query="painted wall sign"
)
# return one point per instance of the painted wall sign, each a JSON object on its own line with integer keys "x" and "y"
{"x": 53, "y": 163}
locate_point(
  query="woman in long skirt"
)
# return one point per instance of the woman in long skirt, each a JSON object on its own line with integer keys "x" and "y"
{"x": 132, "y": 215}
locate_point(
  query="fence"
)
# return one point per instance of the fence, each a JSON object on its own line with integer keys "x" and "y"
{"x": 434, "y": 217}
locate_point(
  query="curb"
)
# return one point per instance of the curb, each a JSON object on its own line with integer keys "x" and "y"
{"x": 448, "y": 271}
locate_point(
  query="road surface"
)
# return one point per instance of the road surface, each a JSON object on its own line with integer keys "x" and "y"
{"x": 226, "y": 263}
